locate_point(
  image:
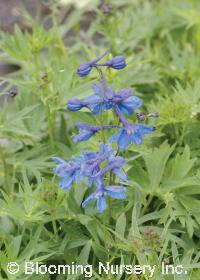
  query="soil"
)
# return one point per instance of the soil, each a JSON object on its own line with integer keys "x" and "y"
{"x": 10, "y": 12}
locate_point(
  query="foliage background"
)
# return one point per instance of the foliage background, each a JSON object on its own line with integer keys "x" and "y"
{"x": 160, "y": 219}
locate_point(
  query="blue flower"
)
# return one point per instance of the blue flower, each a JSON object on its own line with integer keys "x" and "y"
{"x": 131, "y": 133}
{"x": 106, "y": 99}
{"x": 75, "y": 104}
{"x": 93, "y": 161}
{"x": 105, "y": 151}
{"x": 114, "y": 165}
{"x": 91, "y": 167}
{"x": 99, "y": 195}
{"x": 85, "y": 132}
{"x": 91, "y": 164}
{"x": 94, "y": 166}
{"x": 69, "y": 171}
{"x": 126, "y": 102}
{"x": 123, "y": 100}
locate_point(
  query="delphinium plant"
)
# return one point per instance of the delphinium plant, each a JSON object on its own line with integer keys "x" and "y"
{"x": 95, "y": 166}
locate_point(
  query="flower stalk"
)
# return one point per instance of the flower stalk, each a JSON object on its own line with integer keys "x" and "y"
{"x": 96, "y": 166}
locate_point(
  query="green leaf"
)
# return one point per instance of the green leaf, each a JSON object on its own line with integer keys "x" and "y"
{"x": 84, "y": 254}
{"x": 156, "y": 163}
{"x": 121, "y": 225}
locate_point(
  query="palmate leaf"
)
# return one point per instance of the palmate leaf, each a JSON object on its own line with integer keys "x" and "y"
{"x": 135, "y": 247}
{"x": 23, "y": 45}
{"x": 164, "y": 174}
{"x": 15, "y": 211}
{"x": 27, "y": 160}
{"x": 179, "y": 166}
{"x": 180, "y": 107}
{"x": 173, "y": 182}
{"x": 156, "y": 167}
{"x": 36, "y": 249}
{"x": 14, "y": 131}
{"x": 191, "y": 17}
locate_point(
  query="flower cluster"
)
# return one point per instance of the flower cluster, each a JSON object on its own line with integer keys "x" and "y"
{"x": 89, "y": 164}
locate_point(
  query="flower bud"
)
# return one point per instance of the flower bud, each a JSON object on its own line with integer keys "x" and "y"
{"x": 74, "y": 104}
{"x": 153, "y": 115}
{"x": 84, "y": 69}
{"x": 118, "y": 62}
{"x": 141, "y": 116}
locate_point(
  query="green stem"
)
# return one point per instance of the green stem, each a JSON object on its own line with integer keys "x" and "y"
{"x": 101, "y": 122}
{"x": 109, "y": 201}
{"x": 13, "y": 178}
{"x": 54, "y": 223}
{"x": 148, "y": 202}
{"x": 50, "y": 129}
{"x": 5, "y": 168}
{"x": 101, "y": 111}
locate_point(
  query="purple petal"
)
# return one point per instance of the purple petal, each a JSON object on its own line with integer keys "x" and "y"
{"x": 105, "y": 150}
{"x": 84, "y": 69}
{"x": 63, "y": 169}
{"x": 115, "y": 137}
{"x": 130, "y": 104}
{"x": 116, "y": 191}
{"x": 145, "y": 129}
{"x": 139, "y": 131}
{"x": 92, "y": 100}
{"x": 118, "y": 62}
{"x": 82, "y": 125}
{"x": 124, "y": 140}
{"x": 75, "y": 104}
{"x": 90, "y": 181}
{"x": 88, "y": 200}
{"x": 117, "y": 162}
{"x": 101, "y": 204}
{"x": 98, "y": 88}
{"x": 58, "y": 160}
{"x": 109, "y": 93}
{"x": 96, "y": 109}
{"x": 82, "y": 136}
{"x": 124, "y": 93}
{"x": 78, "y": 176}
{"x": 120, "y": 174}
{"x": 66, "y": 183}
{"x": 137, "y": 138}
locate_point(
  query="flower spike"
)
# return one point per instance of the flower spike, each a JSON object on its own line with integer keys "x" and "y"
{"x": 95, "y": 166}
